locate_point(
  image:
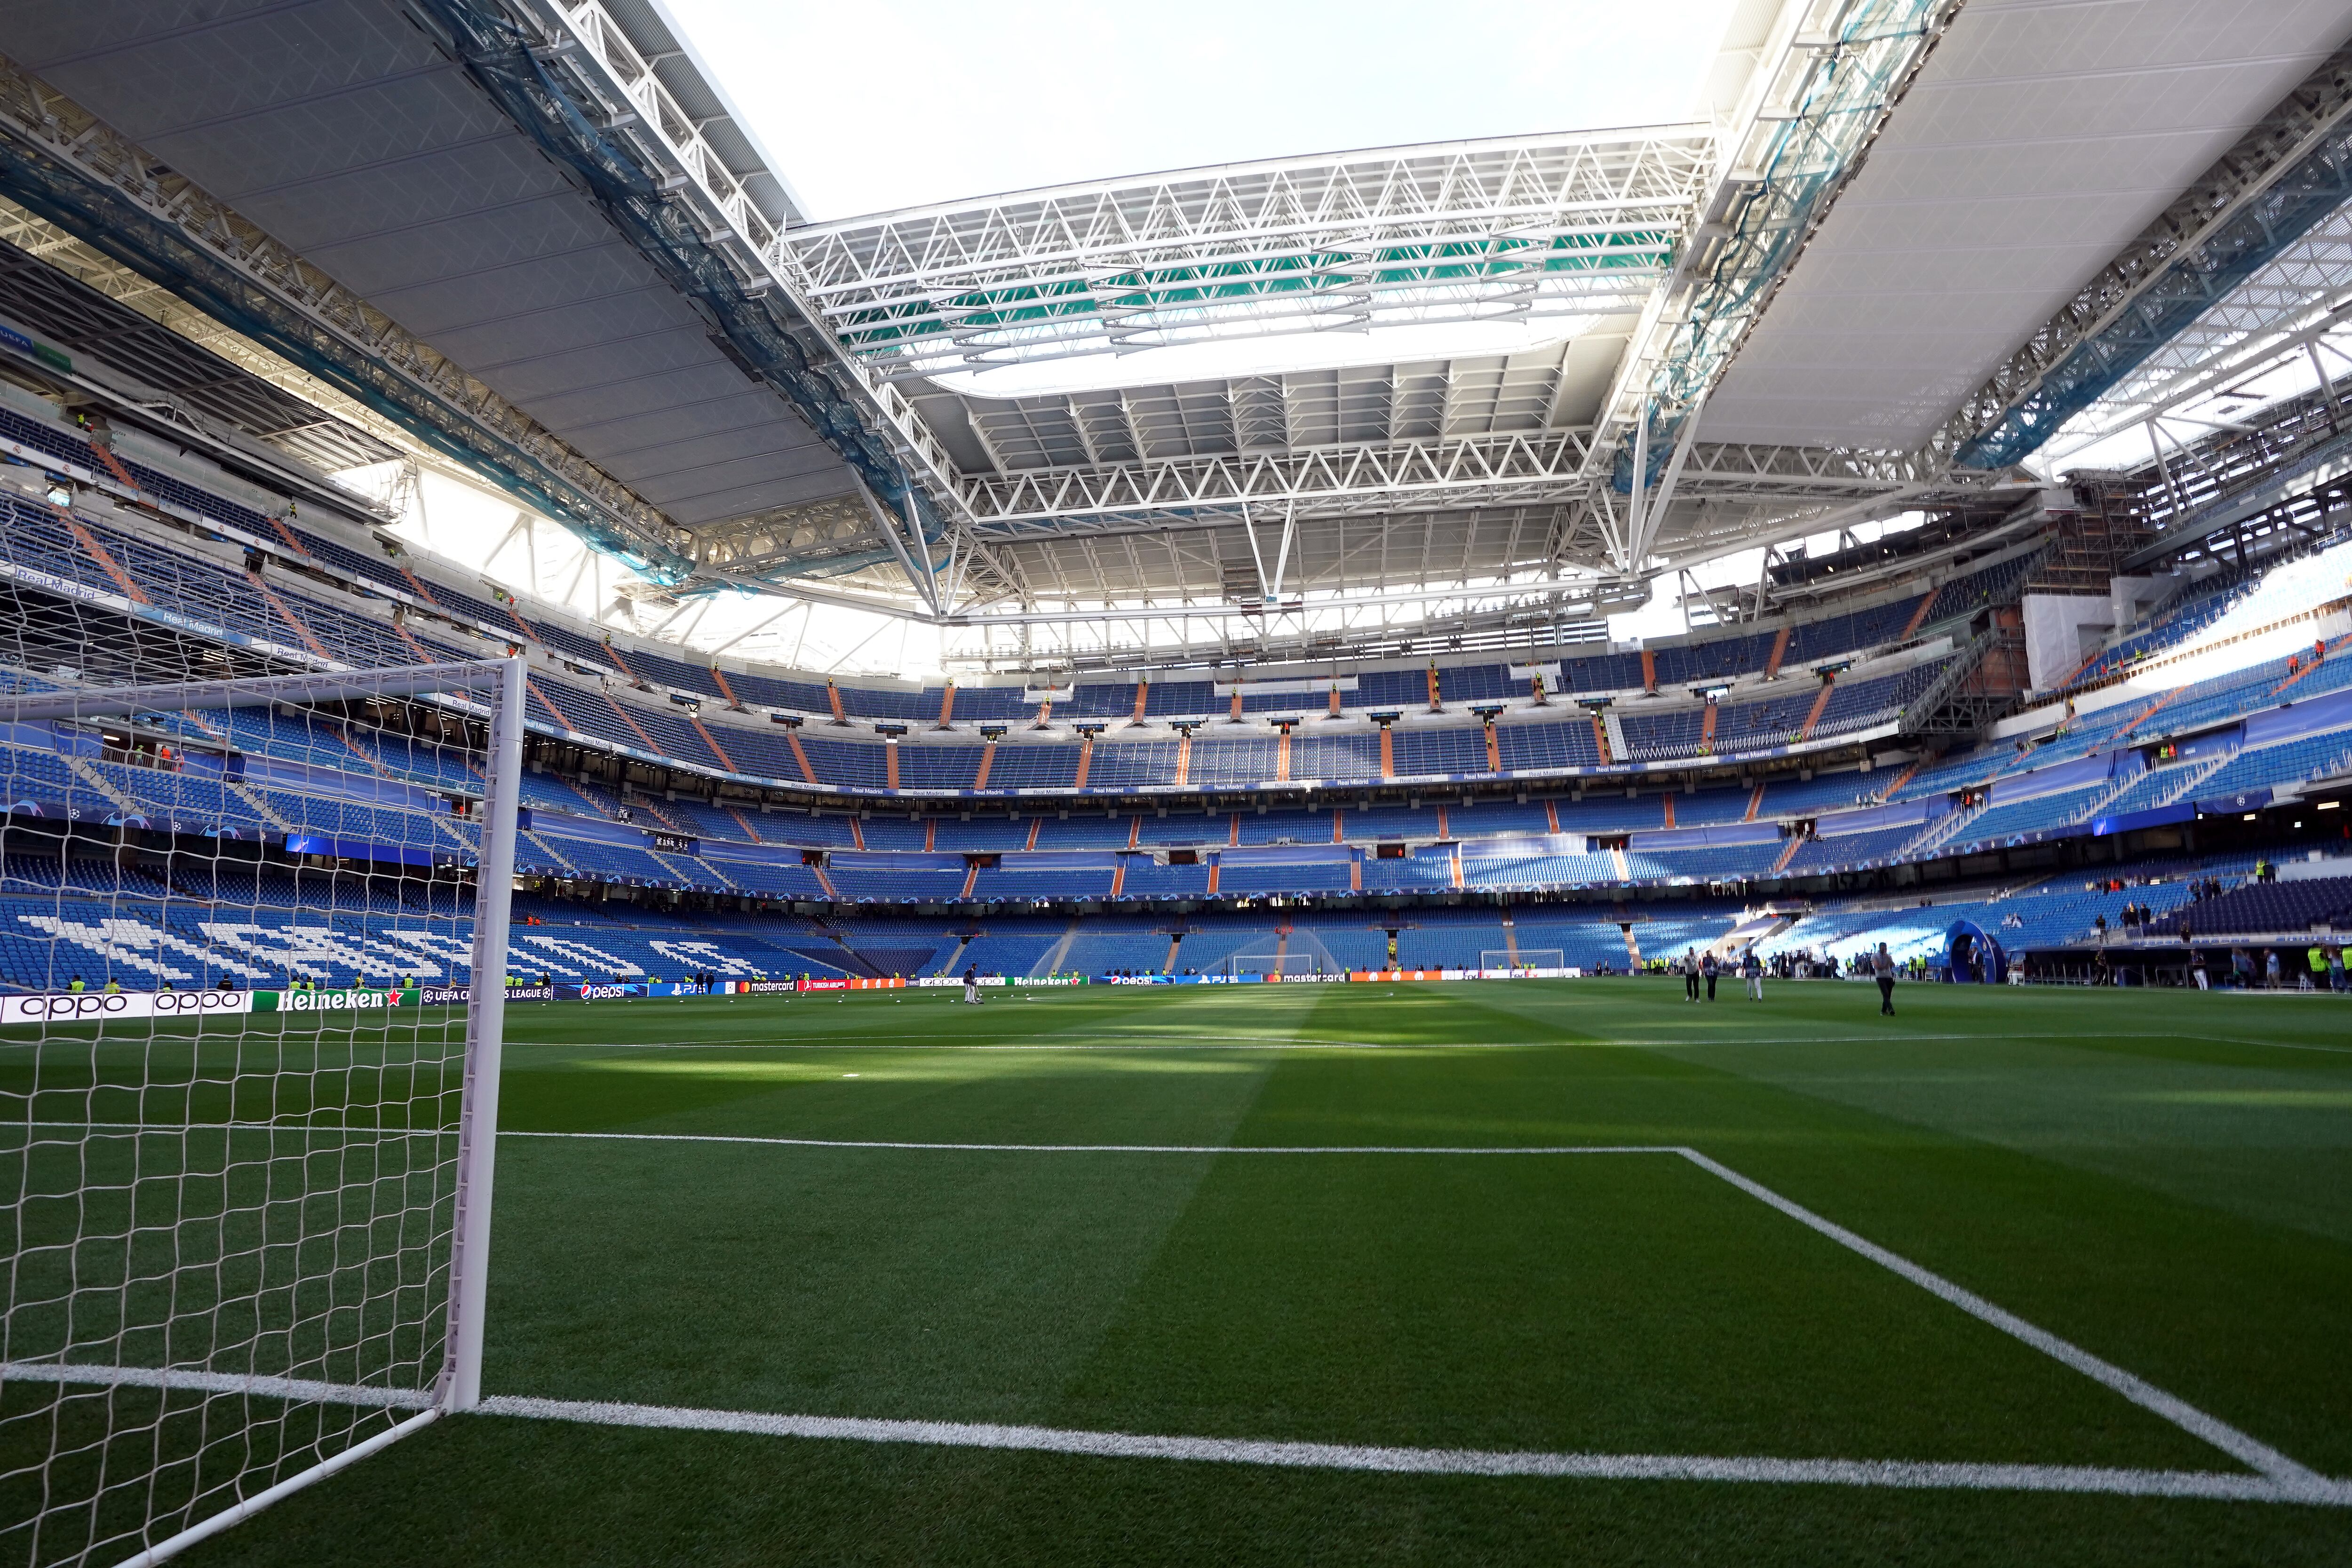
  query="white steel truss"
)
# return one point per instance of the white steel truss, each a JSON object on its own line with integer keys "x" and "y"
{"x": 279, "y": 279}
{"x": 1826, "y": 78}
{"x": 2302, "y": 295}
{"x": 1410, "y": 476}
{"x": 1514, "y": 228}
{"x": 1496, "y": 470}
{"x": 588, "y": 39}
{"x": 2310, "y": 122}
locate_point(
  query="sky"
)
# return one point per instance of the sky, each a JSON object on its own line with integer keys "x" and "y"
{"x": 896, "y": 103}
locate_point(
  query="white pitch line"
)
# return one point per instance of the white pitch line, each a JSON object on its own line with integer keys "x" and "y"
{"x": 2293, "y": 1481}
{"x": 176, "y": 1128}
{"x": 2305, "y": 1484}
{"x": 169, "y": 1378}
{"x": 1116, "y": 1147}
{"x": 1249, "y": 1042}
{"x": 1418, "y": 1461}
{"x": 2271, "y": 1045}
{"x": 1105, "y": 1042}
{"x": 1908, "y": 1475}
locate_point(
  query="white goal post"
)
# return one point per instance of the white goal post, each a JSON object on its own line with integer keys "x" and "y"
{"x": 1298, "y": 952}
{"x": 253, "y": 953}
{"x": 1496, "y": 959}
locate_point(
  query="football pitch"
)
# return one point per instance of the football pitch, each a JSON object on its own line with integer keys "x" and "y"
{"x": 1532, "y": 1272}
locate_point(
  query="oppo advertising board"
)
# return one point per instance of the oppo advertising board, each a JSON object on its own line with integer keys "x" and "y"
{"x": 97, "y": 1007}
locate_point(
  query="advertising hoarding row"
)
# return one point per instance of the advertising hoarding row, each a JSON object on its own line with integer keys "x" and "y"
{"x": 99, "y": 1006}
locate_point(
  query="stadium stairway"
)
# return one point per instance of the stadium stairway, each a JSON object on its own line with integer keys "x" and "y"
{"x": 97, "y": 781}
{"x": 1940, "y": 831}
{"x": 1755, "y": 929}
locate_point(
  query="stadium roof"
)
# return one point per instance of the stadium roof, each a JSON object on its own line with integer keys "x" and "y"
{"x": 1906, "y": 243}
{"x": 2038, "y": 144}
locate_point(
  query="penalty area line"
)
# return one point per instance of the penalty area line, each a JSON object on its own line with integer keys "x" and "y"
{"x": 2279, "y": 1479}
{"x": 2298, "y": 1481}
{"x": 2301, "y": 1483}
{"x": 1110, "y": 1148}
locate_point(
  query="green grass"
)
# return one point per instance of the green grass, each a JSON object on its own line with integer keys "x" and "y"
{"x": 2165, "y": 1179}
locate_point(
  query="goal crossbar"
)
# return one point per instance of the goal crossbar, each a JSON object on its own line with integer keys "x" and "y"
{"x": 325, "y": 686}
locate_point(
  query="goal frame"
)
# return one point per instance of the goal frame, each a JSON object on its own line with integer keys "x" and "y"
{"x": 1311, "y": 958}
{"x": 459, "y": 1385}
{"x": 1491, "y": 959}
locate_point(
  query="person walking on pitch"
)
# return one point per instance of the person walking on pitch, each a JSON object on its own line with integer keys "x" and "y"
{"x": 1753, "y": 967}
{"x": 1883, "y": 966}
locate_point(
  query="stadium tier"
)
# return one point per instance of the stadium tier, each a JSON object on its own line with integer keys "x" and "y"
{"x": 1684, "y": 764}
{"x": 292, "y": 591}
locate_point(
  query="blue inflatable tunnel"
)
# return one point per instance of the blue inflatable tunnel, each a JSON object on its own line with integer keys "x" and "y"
{"x": 1973, "y": 954}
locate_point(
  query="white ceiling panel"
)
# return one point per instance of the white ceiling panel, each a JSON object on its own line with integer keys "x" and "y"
{"x": 338, "y": 127}
{"x": 2040, "y": 138}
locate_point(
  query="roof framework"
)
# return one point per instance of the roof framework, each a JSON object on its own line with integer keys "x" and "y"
{"x": 1518, "y": 229}
{"x": 1651, "y": 297}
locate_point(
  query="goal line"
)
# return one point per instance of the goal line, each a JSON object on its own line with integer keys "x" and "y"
{"x": 1900, "y": 1474}
{"x": 1522, "y": 960}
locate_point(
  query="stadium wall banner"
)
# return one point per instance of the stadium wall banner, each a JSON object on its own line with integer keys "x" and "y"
{"x": 955, "y": 981}
{"x": 333, "y": 1001}
{"x": 458, "y": 996}
{"x": 1052, "y": 980}
{"x": 75, "y": 1006}
{"x": 1395, "y": 975}
{"x": 625, "y": 990}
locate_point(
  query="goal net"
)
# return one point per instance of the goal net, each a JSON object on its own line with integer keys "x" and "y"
{"x": 1298, "y": 953}
{"x": 252, "y": 976}
{"x": 1499, "y": 959}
